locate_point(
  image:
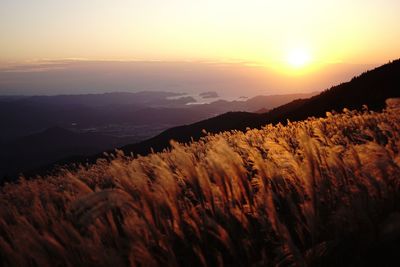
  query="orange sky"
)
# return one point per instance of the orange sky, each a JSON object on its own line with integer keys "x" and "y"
{"x": 297, "y": 37}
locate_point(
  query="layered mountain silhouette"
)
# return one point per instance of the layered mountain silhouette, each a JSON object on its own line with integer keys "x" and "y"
{"x": 371, "y": 88}
{"x": 92, "y": 123}
{"x": 141, "y": 114}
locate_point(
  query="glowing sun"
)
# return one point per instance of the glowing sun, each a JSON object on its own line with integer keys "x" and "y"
{"x": 298, "y": 58}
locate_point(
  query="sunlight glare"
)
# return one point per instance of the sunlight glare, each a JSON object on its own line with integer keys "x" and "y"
{"x": 298, "y": 58}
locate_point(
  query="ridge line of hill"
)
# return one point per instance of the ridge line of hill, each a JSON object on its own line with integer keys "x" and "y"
{"x": 371, "y": 88}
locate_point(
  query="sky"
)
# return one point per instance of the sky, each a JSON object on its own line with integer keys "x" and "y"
{"x": 289, "y": 37}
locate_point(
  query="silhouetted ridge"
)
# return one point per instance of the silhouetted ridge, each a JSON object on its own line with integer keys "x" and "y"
{"x": 371, "y": 88}
{"x": 320, "y": 192}
{"x": 117, "y": 118}
{"x": 227, "y": 121}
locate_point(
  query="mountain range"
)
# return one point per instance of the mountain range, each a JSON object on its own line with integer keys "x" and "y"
{"x": 39, "y": 130}
{"x": 371, "y": 88}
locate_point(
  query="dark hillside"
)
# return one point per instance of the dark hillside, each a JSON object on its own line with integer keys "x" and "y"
{"x": 371, "y": 88}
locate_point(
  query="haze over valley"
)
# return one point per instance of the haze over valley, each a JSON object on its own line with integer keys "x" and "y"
{"x": 200, "y": 133}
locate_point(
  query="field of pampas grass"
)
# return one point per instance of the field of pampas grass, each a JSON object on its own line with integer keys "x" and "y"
{"x": 322, "y": 192}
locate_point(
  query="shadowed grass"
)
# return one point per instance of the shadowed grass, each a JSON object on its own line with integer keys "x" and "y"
{"x": 322, "y": 192}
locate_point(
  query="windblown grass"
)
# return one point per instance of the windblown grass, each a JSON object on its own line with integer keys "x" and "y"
{"x": 322, "y": 192}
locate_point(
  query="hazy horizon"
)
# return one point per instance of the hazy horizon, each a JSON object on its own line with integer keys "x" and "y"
{"x": 192, "y": 77}
{"x": 267, "y": 133}
{"x": 232, "y": 47}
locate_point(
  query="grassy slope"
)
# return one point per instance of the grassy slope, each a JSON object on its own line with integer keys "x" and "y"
{"x": 353, "y": 94}
{"x": 323, "y": 192}
{"x": 371, "y": 88}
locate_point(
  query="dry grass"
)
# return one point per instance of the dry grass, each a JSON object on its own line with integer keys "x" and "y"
{"x": 323, "y": 192}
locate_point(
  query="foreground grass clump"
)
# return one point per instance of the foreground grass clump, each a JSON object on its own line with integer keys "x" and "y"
{"x": 322, "y": 192}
